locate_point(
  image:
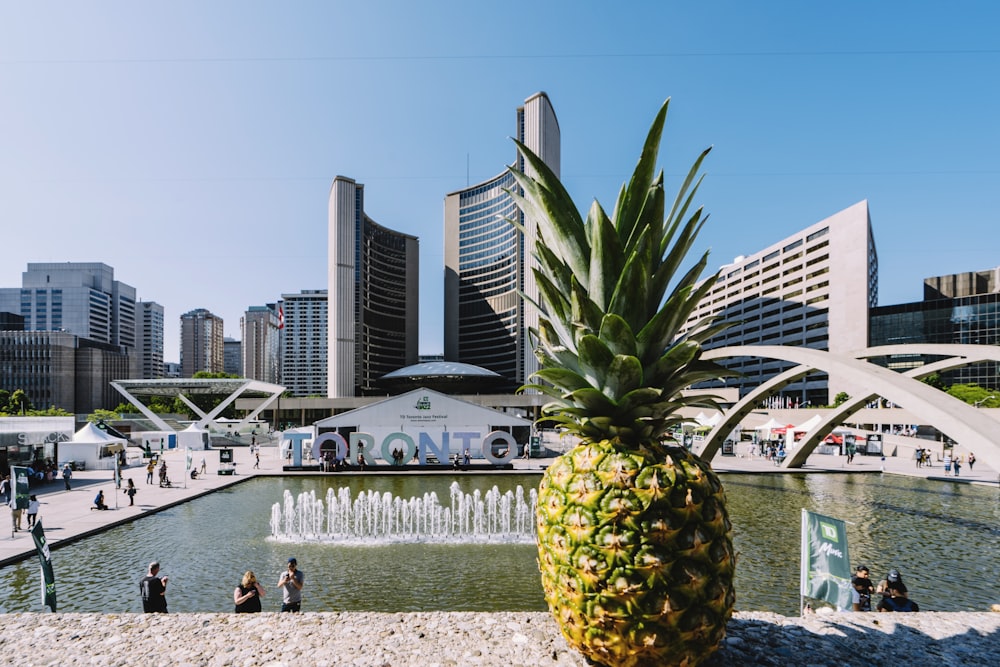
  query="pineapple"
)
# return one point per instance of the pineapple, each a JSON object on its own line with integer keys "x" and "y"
{"x": 634, "y": 539}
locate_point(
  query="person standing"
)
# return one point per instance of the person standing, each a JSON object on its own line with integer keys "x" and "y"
{"x": 5, "y": 489}
{"x": 971, "y": 460}
{"x": 150, "y": 467}
{"x": 130, "y": 491}
{"x": 204, "y": 466}
{"x": 15, "y": 514}
{"x": 154, "y": 591}
{"x": 957, "y": 463}
{"x": 256, "y": 461}
{"x": 863, "y": 589}
{"x": 291, "y": 583}
{"x": 32, "y": 510}
{"x": 248, "y": 594}
{"x": 67, "y": 475}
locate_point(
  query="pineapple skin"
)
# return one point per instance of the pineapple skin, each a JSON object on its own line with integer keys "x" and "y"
{"x": 635, "y": 553}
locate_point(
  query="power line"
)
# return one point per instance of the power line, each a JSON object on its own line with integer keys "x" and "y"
{"x": 482, "y": 57}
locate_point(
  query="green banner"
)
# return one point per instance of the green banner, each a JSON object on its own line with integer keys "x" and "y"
{"x": 19, "y": 487}
{"x": 48, "y": 576}
{"x": 826, "y": 562}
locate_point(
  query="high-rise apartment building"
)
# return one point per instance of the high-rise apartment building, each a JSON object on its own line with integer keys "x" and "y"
{"x": 304, "y": 345}
{"x": 259, "y": 327}
{"x": 201, "y": 343}
{"x": 149, "y": 339}
{"x": 488, "y": 261}
{"x": 372, "y": 279}
{"x": 813, "y": 289}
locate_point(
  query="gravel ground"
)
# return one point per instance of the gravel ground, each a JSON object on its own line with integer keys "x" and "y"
{"x": 926, "y": 639}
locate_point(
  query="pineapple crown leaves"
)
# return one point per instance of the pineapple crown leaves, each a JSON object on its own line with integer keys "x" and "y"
{"x": 609, "y": 340}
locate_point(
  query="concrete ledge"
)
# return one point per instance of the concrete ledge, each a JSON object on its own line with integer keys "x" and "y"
{"x": 469, "y": 638}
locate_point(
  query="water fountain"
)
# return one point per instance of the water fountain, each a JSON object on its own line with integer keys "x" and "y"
{"x": 373, "y": 517}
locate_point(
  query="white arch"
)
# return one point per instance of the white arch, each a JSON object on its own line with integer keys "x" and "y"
{"x": 961, "y": 421}
{"x": 965, "y": 355}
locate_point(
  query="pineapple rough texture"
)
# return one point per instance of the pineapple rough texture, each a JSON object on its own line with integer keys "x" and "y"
{"x": 634, "y": 539}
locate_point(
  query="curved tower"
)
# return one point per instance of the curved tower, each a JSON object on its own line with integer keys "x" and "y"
{"x": 372, "y": 274}
{"x": 488, "y": 261}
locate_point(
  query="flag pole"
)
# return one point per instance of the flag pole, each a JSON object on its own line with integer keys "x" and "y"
{"x": 803, "y": 562}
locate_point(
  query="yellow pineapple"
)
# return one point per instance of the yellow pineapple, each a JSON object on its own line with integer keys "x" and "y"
{"x": 634, "y": 540}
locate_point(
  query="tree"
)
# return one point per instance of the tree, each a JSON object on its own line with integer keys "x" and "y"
{"x": 19, "y": 402}
{"x": 841, "y": 398}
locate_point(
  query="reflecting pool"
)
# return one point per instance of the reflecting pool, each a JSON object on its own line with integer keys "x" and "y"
{"x": 944, "y": 538}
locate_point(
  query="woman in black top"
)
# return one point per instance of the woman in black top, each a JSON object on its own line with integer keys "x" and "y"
{"x": 248, "y": 594}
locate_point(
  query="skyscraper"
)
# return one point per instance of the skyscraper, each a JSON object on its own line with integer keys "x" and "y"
{"x": 201, "y": 343}
{"x": 304, "y": 345}
{"x": 488, "y": 261}
{"x": 81, "y": 298}
{"x": 259, "y": 327}
{"x": 374, "y": 298}
{"x": 232, "y": 356}
{"x": 149, "y": 339}
{"x": 79, "y": 332}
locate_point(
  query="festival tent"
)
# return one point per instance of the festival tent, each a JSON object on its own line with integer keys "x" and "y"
{"x": 768, "y": 425}
{"x": 193, "y": 437}
{"x": 808, "y": 424}
{"x": 92, "y": 448}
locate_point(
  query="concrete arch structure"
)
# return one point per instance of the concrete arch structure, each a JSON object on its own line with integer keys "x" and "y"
{"x": 964, "y": 355}
{"x": 962, "y": 422}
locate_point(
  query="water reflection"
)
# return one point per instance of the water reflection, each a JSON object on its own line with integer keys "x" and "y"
{"x": 942, "y": 536}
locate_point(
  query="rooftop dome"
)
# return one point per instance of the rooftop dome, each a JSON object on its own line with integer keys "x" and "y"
{"x": 448, "y": 377}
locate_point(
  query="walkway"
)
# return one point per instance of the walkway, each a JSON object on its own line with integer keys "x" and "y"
{"x": 67, "y": 515}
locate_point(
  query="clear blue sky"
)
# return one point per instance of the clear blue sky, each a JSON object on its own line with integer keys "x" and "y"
{"x": 191, "y": 145}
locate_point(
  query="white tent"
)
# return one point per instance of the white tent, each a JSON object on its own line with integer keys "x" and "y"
{"x": 769, "y": 424}
{"x": 193, "y": 437}
{"x": 808, "y": 424}
{"x": 91, "y": 447}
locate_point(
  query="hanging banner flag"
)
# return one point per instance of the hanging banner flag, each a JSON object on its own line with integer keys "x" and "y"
{"x": 48, "y": 576}
{"x": 826, "y": 563}
{"x": 19, "y": 487}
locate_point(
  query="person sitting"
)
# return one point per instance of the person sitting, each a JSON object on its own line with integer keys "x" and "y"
{"x": 893, "y": 582}
{"x": 99, "y": 501}
{"x": 194, "y": 473}
{"x": 895, "y": 601}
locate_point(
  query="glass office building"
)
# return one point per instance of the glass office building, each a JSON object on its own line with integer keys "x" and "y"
{"x": 955, "y": 310}
{"x": 488, "y": 261}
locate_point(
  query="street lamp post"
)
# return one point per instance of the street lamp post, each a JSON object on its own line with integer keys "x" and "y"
{"x": 983, "y": 400}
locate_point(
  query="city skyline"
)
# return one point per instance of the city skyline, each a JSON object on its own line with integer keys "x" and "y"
{"x": 196, "y": 157}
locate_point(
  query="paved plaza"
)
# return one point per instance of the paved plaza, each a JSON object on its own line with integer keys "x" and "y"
{"x": 67, "y": 515}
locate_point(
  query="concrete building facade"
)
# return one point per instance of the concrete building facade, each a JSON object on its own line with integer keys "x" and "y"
{"x": 259, "y": 328}
{"x": 61, "y": 369}
{"x": 304, "y": 342}
{"x": 201, "y": 343}
{"x": 81, "y": 298}
{"x": 372, "y": 276}
{"x": 149, "y": 339}
{"x": 488, "y": 261}
{"x": 813, "y": 289}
